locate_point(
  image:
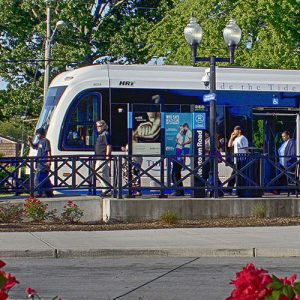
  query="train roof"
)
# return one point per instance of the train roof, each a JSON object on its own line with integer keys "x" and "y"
{"x": 180, "y": 77}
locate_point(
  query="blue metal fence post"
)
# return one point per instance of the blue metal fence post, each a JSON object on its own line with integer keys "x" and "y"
{"x": 162, "y": 146}
{"x": 31, "y": 177}
{"x": 129, "y": 152}
{"x": 119, "y": 182}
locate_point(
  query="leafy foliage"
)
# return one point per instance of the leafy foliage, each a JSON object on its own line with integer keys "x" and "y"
{"x": 270, "y": 32}
{"x": 116, "y": 29}
{"x": 15, "y": 130}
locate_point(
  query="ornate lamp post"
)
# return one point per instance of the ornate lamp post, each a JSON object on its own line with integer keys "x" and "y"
{"x": 193, "y": 35}
{"x": 60, "y": 25}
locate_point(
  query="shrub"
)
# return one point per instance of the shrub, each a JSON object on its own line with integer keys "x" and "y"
{"x": 10, "y": 212}
{"x": 71, "y": 213}
{"x": 259, "y": 210}
{"x": 169, "y": 217}
{"x": 34, "y": 209}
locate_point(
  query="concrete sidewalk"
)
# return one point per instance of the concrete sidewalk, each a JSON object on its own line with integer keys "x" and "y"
{"x": 179, "y": 242}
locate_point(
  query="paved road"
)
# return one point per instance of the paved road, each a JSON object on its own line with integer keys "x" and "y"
{"x": 136, "y": 278}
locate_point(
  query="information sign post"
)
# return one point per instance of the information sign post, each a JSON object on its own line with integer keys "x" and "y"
{"x": 199, "y": 126}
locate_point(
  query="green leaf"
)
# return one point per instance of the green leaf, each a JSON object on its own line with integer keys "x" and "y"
{"x": 269, "y": 297}
{"x": 276, "y": 295}
{"x": 288, "y": 291}
{"x": 2, "y": 280}
{"x": 275, "y": 285}
{"x": 297, "y": 288}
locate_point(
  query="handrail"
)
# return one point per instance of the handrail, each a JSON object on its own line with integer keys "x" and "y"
{"x": 76, "y": 172}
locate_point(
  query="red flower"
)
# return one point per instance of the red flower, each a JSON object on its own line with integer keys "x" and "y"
{"x": 10, "y": 283}
{"x": 250, "y": 284}
{"x": 289, "y": 281}
{"x": 3, "y": 295}
{"x": 30, "y": 292}
{"x": 2, "y": 263}
{"x": 282, "y": 297}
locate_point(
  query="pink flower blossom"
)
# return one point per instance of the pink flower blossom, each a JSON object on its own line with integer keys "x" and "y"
{"x": 30, "y": 292}
{"x": 290, "y": 280}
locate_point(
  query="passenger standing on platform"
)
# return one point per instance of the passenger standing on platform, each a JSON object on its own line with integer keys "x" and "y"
{"x": 239, "y": 142}
{"x": 103, "y": 149}
{"x": 176, "y": 174}
{"x": 41, "y": 180}
{"x": 287, "y": 156}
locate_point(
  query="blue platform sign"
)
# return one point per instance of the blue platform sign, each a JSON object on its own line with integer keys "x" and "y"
{"x": 199, "y": 120}
{"x": 209, "y": 97}
{"x": 275, "y": 100}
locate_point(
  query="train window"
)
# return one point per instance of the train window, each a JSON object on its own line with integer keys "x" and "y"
{"x": 79, "y": 133}
{"x": 53, "y": 96}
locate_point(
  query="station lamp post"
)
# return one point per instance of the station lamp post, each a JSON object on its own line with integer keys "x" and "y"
{"x": 193, "y": 35}
{"x": 60, "y": 25}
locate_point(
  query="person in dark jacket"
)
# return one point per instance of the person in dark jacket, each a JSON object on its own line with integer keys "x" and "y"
{"x": 287, "y": 156}
{"x": 41, "y": 179}
{"x": 103, "y": 150}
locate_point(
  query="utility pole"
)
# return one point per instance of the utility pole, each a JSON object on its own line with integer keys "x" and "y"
{"x": 47, "y": 49}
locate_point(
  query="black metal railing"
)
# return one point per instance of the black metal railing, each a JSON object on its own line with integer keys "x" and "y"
{"x": 254, "y": 174}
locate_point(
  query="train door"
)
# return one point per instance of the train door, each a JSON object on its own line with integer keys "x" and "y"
{"x": 267, "y": 128}
{"x": 119, "y": 132}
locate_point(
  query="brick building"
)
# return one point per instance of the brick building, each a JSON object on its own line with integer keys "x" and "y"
{"x": 8, "y": 147}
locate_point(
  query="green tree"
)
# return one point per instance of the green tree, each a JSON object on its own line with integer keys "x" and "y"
{"x": 270, "y": 32}
{"x": 116, "y": 29}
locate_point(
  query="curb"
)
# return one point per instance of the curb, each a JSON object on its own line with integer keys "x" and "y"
{"x": 171, "y": 252}
{"x": 48, "y": 253}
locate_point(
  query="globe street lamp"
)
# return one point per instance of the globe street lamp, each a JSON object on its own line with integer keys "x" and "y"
{"x": 193, "y": 35}
{"x": 60, "y": 25}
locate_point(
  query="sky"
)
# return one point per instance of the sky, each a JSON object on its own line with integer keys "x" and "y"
{"x": 2, "y": 84}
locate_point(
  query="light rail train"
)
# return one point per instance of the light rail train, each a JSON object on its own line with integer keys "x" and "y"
{"x": 264, "y": 102}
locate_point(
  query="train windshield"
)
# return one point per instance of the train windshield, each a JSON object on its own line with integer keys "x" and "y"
{"x": 53, "y": 96}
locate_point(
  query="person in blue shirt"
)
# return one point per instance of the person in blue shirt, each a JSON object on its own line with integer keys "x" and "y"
{"x": 178, "y": 163}
{"x": 41, "y": 179}
{"x": 287, "y": 156}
